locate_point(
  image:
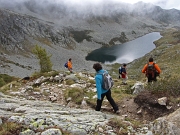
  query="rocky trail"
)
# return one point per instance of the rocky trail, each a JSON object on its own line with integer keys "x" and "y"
{"x": 43, "y": 114}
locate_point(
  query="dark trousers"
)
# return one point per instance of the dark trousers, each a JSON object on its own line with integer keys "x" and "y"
{"x": 109, "y": 98}
{"x": 150, "y": 78}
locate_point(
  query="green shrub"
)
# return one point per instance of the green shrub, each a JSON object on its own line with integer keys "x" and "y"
{"x": 69, "y": 82}
{"x": 4, "y": 79}
{"x": 44, "y": 59}
{"x": 2, "y": 82}
{"x": 169, "y": 87}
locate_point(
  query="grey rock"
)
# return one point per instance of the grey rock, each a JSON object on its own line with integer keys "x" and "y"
{"x": 52, "y": 132}
{"x": 27, "y": 132}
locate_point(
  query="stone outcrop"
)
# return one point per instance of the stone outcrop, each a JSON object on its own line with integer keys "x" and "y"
{"x": 16, "y": 29}
{"x": 168, "y": 125}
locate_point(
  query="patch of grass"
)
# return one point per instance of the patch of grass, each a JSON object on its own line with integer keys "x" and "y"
{"x": 121, "y": 125}
{"x": 170, "y": 36}
{"x": 2, "y": 82}
{"x": 136, "y": 124}
{"x": 13, "y": 86}
{"x": 174, "y": 100}
{"x": 118, "y": 124}
{"x": 10, "y": 128}
{"x": 77, "y": 94}
{"x": 169, "y": 87}
{"x": 4, "y": 79}
{"x": 4, "y": 89}
{"x": 120, "y": 95}
{"x": 46, "y": 74}
{"x": 69, "y": 82}
{"x": 37, "y": 89}
{"x": 91, "y": 101}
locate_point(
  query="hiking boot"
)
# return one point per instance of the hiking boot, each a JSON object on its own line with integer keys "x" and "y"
{"x": 117, "y": 112}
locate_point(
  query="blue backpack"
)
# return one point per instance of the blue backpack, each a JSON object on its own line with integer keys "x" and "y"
{"x": 66, "y": 65}
{"x": 120, "y": 70}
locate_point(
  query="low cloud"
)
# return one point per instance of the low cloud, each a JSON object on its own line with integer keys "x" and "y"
{"x": 167, "y": 4}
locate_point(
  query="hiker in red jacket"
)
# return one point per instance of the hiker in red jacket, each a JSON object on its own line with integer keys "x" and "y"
{"x": 151, "y": 70}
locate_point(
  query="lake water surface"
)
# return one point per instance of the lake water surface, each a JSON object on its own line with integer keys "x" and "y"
{"x": 127, "y": 52}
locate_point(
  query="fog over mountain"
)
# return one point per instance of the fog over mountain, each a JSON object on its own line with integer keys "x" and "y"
{"x": 60, "y": 9}
{"x": 66, "y": 29}
{"x": 57, "y": 10}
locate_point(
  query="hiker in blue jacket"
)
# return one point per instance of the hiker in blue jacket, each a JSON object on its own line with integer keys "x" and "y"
{"x": 101, "y": 93}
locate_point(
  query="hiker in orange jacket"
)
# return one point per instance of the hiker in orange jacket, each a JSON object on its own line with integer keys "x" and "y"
{"x": 151, "y": 70}
{"x": 70, "y": 65}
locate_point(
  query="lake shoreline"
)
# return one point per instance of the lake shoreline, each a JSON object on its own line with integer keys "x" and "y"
{"x": 126, "y": 52}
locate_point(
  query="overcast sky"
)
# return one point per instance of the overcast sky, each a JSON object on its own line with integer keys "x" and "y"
{"x": 165, "y": 4}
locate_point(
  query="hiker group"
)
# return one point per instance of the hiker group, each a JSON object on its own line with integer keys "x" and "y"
{"x": 151, "y": 71}
{"x": 104, "y": 81}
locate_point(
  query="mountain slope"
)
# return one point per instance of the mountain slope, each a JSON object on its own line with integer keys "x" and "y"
{"x": 67, "y": 30}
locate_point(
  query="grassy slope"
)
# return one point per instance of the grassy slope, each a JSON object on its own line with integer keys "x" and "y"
{"x": 166, "y": 55}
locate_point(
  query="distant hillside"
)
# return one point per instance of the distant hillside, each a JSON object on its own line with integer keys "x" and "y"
{"x": 166, "y": 55}
{"x": 156, "y": 13}
{"x": 67, "y": 30}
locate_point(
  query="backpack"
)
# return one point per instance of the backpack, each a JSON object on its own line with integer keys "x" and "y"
{"x": 107, "y": 81}
{"x": 120, "y": 70}
{"x": 66, "y": 65}
{"x": 150, "y": 71}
